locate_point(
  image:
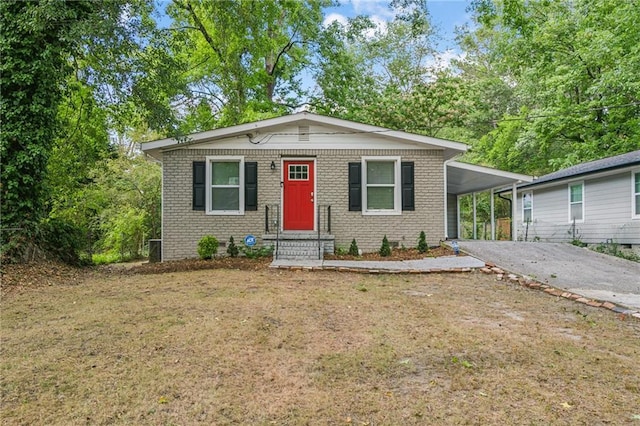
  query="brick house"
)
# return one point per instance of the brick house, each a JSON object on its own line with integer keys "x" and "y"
{"x": 311, "y": 179}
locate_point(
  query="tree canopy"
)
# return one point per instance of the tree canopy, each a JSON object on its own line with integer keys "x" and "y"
{"x": 572, "y": 68}
{"x": 538, "y": 85}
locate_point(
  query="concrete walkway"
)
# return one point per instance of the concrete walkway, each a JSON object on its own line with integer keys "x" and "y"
{"x": 429, "y": 264}
{"x": 564, "y": 266}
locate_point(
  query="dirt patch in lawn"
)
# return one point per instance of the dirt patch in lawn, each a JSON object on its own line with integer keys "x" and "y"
{"x": 221, "y": 346}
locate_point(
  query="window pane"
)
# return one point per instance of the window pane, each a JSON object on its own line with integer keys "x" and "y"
{"x": 225, "y": 199}
{"x": 298, "y": 172}
{"x": 638, "y": 204}
{"x": 527, "y": 200}
{"x": 527, "y": 215}
{"x": 576, "y": 193}
{"x": 380, "y": 172}
{"x": 637, "y": 183}
{"x": 576, "y": 211}
{"x": 380, "y": 198}
{"x": 225, "y": 173}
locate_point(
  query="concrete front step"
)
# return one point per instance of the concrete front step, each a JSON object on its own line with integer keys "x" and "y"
{"x": 299, "y": 245}
{"x": 299, "y": 250}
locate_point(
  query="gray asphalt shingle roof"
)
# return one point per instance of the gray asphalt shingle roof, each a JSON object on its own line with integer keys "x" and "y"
{"x": 609, "y": 163}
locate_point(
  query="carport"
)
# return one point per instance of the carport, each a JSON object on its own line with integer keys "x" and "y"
{"x": 470, "y": 179}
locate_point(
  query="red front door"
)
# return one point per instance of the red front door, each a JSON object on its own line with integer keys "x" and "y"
{"x": 298, "y": 195}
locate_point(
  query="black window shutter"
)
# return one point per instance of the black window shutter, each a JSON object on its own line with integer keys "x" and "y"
{"x": 251, "y": 185}
{"x": 355, "y": 187}
{"x": 407, "y": 186}
{"x": 199, "y": 185}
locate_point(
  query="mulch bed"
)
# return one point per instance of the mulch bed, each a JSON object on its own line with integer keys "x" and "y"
{"x": 238, "y": 263}
{"x": 396, "y": 254}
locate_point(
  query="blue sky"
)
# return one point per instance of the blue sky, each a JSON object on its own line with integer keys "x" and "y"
{"x": 445, "y": 15}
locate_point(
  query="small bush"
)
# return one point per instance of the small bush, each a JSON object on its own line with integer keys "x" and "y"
{"x": 340, "y": 251}
{"x": 423, "y": 247}
{"x": 613, "y": 249}
{"x": 385, "y": 249}
{"x": 255, "y": 253}
{"x": 232, "y": 248}
{"x": 353, "y": 248}
{"x": 207, "y": 247}
{"x": 578, "y": 243}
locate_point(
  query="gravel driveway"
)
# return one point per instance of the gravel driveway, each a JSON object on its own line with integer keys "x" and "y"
{"x": 578, "y": 270}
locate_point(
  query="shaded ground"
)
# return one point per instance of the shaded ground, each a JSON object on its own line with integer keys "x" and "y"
{"x": 292, "y": 347}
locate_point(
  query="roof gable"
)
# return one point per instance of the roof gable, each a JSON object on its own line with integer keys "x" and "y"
{"x": 324, "y": 132}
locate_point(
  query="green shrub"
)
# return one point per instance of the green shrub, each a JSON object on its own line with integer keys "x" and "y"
{"x": 340, "y": 251}
{"x": 353, "y": 248}
{"x": 106, "y": 258}
{"x": 207, "y": 247}
{"x": 232, "y": 249}
{"x": 385, "y": 248}
{"x": 255, "y": 253}
{"x": 423, "y": 247}
{"x": 61, "y": 240}
{"x": 612, "y": 248}
{"x": 578, "y": 243}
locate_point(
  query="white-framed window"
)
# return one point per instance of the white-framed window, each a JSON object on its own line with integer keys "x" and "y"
{"x": 576, "y": 202}
{"x": 225, "y": 184}
{"x": 298, "y": 172}
{"x": 527, "y": 207}
{"x": 635, "y": 191}
{"x": 381, "y": 186}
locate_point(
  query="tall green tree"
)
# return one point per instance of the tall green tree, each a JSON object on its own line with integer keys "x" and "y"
{"x": 390, "y": 76}
{"x": 573, "y": 66}
{"x": 125, "y": 194}
{"x": 243, "y": 57}
{"x": 33, "y": 41}
{"x": 44, "y": 45}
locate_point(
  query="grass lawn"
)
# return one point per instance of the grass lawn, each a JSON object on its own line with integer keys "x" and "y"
{"x": 293, "y": 347}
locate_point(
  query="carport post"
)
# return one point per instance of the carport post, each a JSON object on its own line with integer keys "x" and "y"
{"x": 475, "y": 236}
{"x": 493, "y": 221}
{"x": 458, "y": 216}
{"x": 514, "y": 213}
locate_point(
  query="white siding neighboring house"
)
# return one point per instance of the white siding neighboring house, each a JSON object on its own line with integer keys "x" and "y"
{"x": 594, "y": 202}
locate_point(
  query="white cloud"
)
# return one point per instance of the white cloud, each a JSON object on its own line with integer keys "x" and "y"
{"x": 377, "y": 8}
{"x": 333, "y": 17}
{"x": 380, "y": 26}
{"x": 442, "y": 60}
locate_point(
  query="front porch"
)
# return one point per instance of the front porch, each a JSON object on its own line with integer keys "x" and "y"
{"x": 298, "y": 244}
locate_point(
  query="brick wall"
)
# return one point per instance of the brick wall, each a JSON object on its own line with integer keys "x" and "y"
{"x": 183, "y": 227}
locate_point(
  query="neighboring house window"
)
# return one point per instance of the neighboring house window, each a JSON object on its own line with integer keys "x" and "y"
{"x": 381, "y": 185}
{"x": 576, "y": 202}
{"x": 225, "y": 195}
{"x": 636, "y": 194}
{"x": 527, "y": 207}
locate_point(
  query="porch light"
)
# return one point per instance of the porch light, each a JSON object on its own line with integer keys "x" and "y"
{"x": 273, "y": 165}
